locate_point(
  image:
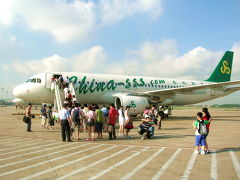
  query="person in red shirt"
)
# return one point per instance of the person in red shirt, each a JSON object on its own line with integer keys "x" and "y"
{"x": 113, "y": 115}
{"x": 206, "y": 117}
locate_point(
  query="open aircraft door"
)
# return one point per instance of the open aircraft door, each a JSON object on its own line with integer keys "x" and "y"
{"x": 49, "y": 77}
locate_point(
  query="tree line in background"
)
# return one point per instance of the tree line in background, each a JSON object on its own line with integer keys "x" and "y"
{"x": 5, "y": 103}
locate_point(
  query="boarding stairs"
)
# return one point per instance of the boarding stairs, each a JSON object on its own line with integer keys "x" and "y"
{"x": 59, "y": 94}
{"x": 72, "y": 89}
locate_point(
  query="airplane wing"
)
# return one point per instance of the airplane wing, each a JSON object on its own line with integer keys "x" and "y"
{"x": 192, "y": 88}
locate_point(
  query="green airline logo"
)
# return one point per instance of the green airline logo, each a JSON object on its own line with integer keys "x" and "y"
{"x": 225, "y": 68}
{"x": 84, "y": 86}
{"x": 132, "y": 104}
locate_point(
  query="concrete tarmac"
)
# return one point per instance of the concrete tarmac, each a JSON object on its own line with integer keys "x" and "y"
{"x": 42, "y": 155}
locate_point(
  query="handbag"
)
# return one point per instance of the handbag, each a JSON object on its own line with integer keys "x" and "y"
{"x": 109, "y": 128}
{"x": 26, "y": 119}
{"x": 51, "y": 122}
{"x": 129, "y": 126}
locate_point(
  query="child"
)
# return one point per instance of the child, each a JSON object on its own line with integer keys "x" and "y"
{"x": 200, "y": 140}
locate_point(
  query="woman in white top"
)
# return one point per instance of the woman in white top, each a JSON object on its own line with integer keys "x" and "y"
{"x": 91, "y": 122}
{"x": 121, "y": 121}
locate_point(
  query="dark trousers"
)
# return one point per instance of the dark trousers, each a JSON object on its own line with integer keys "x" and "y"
{"x": 29, "y": 124}
{"x": 65, "y": 130}
{"x": 113, "y": 133}
{"x": 160, "y": 123}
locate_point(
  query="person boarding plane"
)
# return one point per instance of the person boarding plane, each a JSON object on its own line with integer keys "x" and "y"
{"x": 134, "y": 91}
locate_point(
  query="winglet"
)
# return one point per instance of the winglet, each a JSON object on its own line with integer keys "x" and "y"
{"x": 222, "y": 72}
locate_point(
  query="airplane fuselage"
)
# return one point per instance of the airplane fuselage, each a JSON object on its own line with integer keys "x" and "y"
{"x": 103, "y": 88}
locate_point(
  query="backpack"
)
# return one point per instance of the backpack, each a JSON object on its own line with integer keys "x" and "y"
{"x": 44, "y": 112}
{"x": 76, "y": 116}
{"x": 202, "y": 128}
{"x": 105, "y": 112}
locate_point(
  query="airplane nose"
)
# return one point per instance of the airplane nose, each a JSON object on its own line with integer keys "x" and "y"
{"x": 18, "y": 91}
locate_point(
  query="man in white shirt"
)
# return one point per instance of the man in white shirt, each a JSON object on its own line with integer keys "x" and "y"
{"x": 65, "y": 119}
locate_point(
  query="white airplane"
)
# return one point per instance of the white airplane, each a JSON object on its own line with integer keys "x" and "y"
{"x": 134, "y": 91}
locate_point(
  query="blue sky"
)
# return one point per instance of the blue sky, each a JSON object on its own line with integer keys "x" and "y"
{"x": 136, "y": 37}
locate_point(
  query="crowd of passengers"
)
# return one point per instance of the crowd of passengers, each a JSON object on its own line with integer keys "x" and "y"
{"x": 92, "y": 119}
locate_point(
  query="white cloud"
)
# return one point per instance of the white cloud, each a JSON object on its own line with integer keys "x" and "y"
{"x": 86, "y": 61}
{"x": 69, "y": 21}
{"x": 10, "y": 47}
{"x": 90, "y": 60}
{"x": 236, "y": 61}
{"x": 159, "y": 59}
{"x": 114, "y": 10}
{"x": 64, "y": 21}
{"x": 6, "y": 9}
{"x": 162, "y": 59}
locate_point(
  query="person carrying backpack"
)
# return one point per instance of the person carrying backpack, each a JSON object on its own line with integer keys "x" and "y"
{"x": 105, "y": 117}
{"x": 207, "y": 117}
{"x": 200, "y": 134}
{"x": 99, "y": 122}
{"x": 77, "y": 119}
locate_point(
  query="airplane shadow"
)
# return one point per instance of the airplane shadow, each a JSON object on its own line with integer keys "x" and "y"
{"x": 174, "y": 128}
{"x": 179, "y": 118}
{"x": 227, "y": 150}
{"x": 227, "y": 120}
{"x": 48, "y": 131}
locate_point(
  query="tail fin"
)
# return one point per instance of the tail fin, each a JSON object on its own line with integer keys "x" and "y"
{"x": 222, "y": 72}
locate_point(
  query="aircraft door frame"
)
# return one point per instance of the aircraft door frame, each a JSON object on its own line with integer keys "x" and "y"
{"x": 48, "y": 81}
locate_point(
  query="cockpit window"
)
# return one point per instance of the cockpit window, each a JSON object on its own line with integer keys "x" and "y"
{"x": 38, "y": 80}
{"x": 33, "y": 80}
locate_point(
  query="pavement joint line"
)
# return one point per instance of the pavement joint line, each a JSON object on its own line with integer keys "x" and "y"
{"x": 22, "y": 145}
{"x": 189, "y": 167}
{"x": 30, "y": 148}
{"x": 118, "y": 164}
{"x": 45, "y": 162}
{"x": 17, "y": 140}
{"x": 166, "y": 165}
{"x": 69, "y": 162}
{"x": 140, "y": 166}
{"x": 11, "y": 157}
{"x": 235, "y": 163}
{"x": 214, "y": 175}
{"x": 151, "y": 146}
{"x": 36, "y": 157}
{"x": 167, "y": 147}
{"x": 93, "y": 164}
{"x": 8, "y": 139}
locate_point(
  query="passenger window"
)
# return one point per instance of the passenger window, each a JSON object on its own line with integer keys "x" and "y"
{"x": 38, "y": 80}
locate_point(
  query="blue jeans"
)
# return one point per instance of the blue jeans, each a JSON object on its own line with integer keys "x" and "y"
{"x": 151, "y": 130}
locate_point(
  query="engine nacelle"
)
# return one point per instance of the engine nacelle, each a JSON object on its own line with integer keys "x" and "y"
{"x": 137, "y": 104}
{"x": 19, "y": 101}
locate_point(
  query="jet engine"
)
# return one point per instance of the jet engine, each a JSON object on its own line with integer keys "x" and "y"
{"x": 19, "y": 101}
{"x": 137, "y": 104}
